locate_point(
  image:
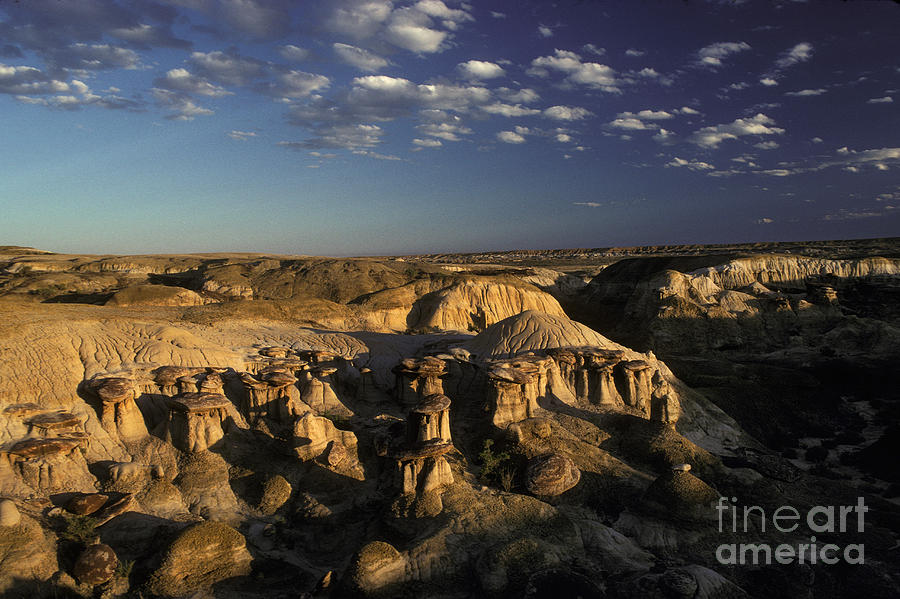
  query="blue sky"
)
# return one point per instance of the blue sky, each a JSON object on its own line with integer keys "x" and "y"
{"x": 367, "y": 127}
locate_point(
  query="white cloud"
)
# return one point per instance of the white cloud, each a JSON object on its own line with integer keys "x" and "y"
{"x": 712, "y": 55}
{"x": 596, "y": 50}
{"x": 884, "y": 100}
{"x": 807, "y": 92}
{"x": 516, "y": 96}
{"x": 498, "y": 15}
{"x": 591, "y": 74}
{"x": 294, "y": 84}
{"x": 687, "y": 110}
{"x": 510, "y": 137}
{"x": 694, "y": 165}
{"x": 767, "y": 145}
{"x": 711, "y": 137}
{"x": 293, "y": 53}
{"x": 228, "y": 68}
{"x": 28, "y": 80}
{"x": 509, "y": 110}
{"x": 545, "y": 31}
{"x": 646, "y": 115}
{"x": 258, "y": 18}
{"x": 768, "y": 81}
{"x": 183, "y": 81}
{"x": 663, "y": 136}
{"x": 359, "y": 58}
{"x": 817, "y": 140}
{"x": 95, "y": 57}
{"x": 799, "y": 53}
{"x": 632, "y": 124}
{"x": 181, "y": 106}
{"x": 480, "y": 69}
{"x": 634, "y": 52}
{"x": 241, "y": 135}
{"x": 427, "y": 143}
{"x": 563, "y": 137}
{"x": 765, "y": 221}
{"x": 412, "y": 30}
{"x": 589, "y": 204}
{"x": 387, "y": 97}
{"x": 359, "y": 19}
{"x": 566, "y": 113}
{"x": 349, "y": 137}
{"x": 437, "y": 9}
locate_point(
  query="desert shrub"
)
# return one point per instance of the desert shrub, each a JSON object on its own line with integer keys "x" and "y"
{"x": 338, "y": 420}
{"x": 79, "y": 529}
{"x": 494, "y": 464}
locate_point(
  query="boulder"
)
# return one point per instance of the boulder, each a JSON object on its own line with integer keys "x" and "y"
{"x": 276, "y": 492}
{"x": 85, "y": 504}
{"x": 551, "y": 474}
{"x": 96, "y": 565}
{"x": 374, "y": 569}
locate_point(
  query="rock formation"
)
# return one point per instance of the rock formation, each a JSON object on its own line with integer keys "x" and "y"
{"x": 201, "y": 555}
{"x": 551, "y": 474}
{"x": 119, "y": 412}
{"x": 198, "y": 420}
{"x": 589, "y": 372}
{"x": 313, "y": 435}
{"x": 96, "y": 565}
{"x": 50, "y": 465}
{"x": 272, "y": 394}
{"x": 418, "y": 378}
{"x": 429, "y": 421}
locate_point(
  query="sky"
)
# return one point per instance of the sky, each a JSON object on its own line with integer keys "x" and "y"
{"x": 377, "y": 127}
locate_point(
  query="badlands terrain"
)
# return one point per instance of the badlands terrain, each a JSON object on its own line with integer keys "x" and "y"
{"x": 566, "y": 423}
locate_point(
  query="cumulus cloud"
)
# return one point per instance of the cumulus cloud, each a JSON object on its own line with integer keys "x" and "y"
{"x": 95, "y": 57}
{"x": 590, "y": 74}
{"x": 523, "y": 96}
{"x": 884, "y": 100}
{"x": 713, "y": 55}
{"x": 765, "y": 221}
{"x": 24, "y": 80}
{"x": 510, "y": 137}
{"x": 687, "y": 110}
{"x": 663, "y": 136}
{"x": 799, "y": 53}
{"x": 711, "y": 137}
{"x": 807, "y": 92}
{"x": 566, "y": 113}
{"x": 359, "y": 58}
{"x": 767, "y": 145}
{"x": 182, "y": 80}
{"x": 228, "y": 68}
{"x": 595, "y": 50}
{"x": 509, "y": 110}
{"x": 389, "y": 97}
{"x": 768, "y": 81}
{"x": 413, "y": 30}
{"x": 480, "y": 69}
{"x": 427, "y": 143}
{"x": 646, "y": 115}
{"x": 632, "y": 124}
{"x": 634, "y": 52}
{"x": 545, "y": 31}
{"x": 694, "y": 165}
{"x": 294, "y": 84}
{"x": 359, "y": 19}
{"x": 180, "y": 105}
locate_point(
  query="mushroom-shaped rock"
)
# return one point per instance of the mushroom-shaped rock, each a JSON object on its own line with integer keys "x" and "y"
{"x": 197, "y": 420}
{"x": 551, "y": 474}
{"x": 200, "y": 556}
{"x": 638, "y": 374}
{"x": 119, "y": 412}
{"x": 166, "y": 378}
{"x": 212, "y": 383}
{"x": 514, "y": 390}
{"x": 423, "y": 468}
{"x": 49, "y": 424}
{"x": 84, "y": 504}
{"x": 9, "y": 513}
{"x": 375, "y": 568}
{"x": 366, "y": 389}
{"x": 37, "y": 448}
{"x": 95, "y": 565}
{"x": 275, "y": 352}
{"x": 429, "y": 421}
{"x": 417, "y": 378}
{"x": 52, "y": 464}
{"x": 272, "y": 394}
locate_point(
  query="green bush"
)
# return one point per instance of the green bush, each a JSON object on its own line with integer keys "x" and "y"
{"x": 79, "y": 529}
{"x": 496, "y": 468}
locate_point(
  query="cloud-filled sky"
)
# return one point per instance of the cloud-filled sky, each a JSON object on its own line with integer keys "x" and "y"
{"x": 366, "y": 127}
